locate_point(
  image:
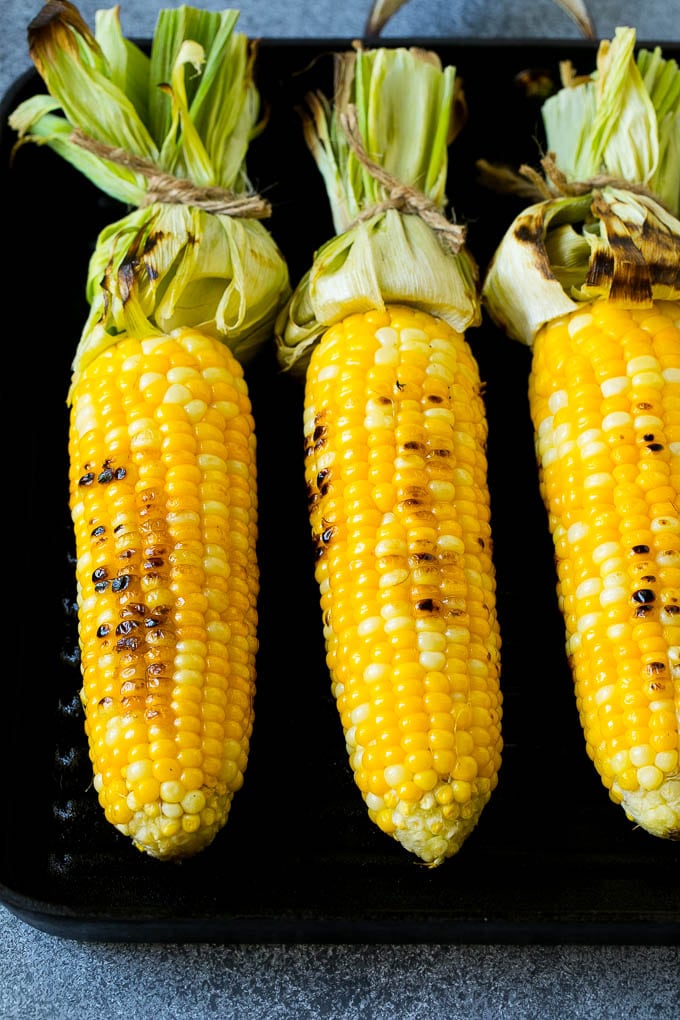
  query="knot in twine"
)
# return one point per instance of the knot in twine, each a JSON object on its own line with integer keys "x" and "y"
{"x": 400, "y": 196}
{"x": 528, "y": 182}
{"x": 556, "y": 181}
{"x": 165, "y": 187}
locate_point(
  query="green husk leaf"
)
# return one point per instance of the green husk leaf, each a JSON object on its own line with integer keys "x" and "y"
{"x": 143, "y": 128}
{"x": 612, "y": 230}
{"x": 408, "y": 108}
{"x": 622, "y": 120}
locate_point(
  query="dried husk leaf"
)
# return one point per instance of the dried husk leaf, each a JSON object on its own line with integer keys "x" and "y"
{"x": 612, "y": 229}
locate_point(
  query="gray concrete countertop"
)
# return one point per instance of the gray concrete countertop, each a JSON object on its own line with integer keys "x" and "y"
{"x": 43, "y": 977}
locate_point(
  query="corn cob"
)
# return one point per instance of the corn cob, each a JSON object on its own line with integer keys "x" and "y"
{"x": 163, "y": 500}
{"x": 395, "y": 443}
{"x": 162, "y": 449}
{"x": 604, "y": 397}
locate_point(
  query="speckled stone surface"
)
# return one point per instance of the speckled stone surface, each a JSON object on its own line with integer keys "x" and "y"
{"x": 46, "y": 978}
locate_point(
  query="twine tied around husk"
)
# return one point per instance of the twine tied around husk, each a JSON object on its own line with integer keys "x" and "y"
{"x": 165, "y": 187}
{"x": 399, "y": 196}
{"x": 527, "y": 182}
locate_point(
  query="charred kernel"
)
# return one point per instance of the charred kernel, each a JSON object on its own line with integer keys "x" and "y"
{"x": 153, "y": 563}
{"x": 642, "y": 611}
{"x": 105, "y": 702}
{"x": 127, "y": 626}
{"x": 100, "y": 574}
{"x": 101, "y": 586}
{"x": 86, "y": 479}
{"x": 120, "y": 473}
{"x": 655, "y": 667}
{"x": 99, "y": 530}
{"x": 105, "y": 476}
{"x": 121, "y": 583}
{"x": 129, "y": 644}
{"x": 644, "y": 595}
{"x": 640, "y": 550}
{"x": 133, "y": 609}
{"x": 103, "y": 630}
{"x": 327, "y": 535}
{"x": 428, "y": 606}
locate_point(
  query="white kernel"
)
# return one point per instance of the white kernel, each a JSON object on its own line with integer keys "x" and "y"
{"x": 376, "y": 671}
{"x": 391, "y": 547}
{"x": 328, "y": 372}
{"x": 458, "y": 635}
{"x": 396, "y": 774}
{"x": 378, "y": 420}
{"x": 196, "y": 409}
{"x": 665, "y": 524}
{"x": 667, "y": 761}
{"x": 182, "y": 374}
{"x": 393, "y": 578}
{"x": 413, "y": 335}
{"x": 576, "y": 532}
{"x": 642, "y": 363}
{"x": 579, "y": 322}
{"x": 194, "y": 802}
{"x": 374, "y": 803}
{"x": 177, "y": 394}
{"x": 647, "y": 422}
{"x": 431, "y": 641}
{"x": 369, "y": 626}
{"x": 611, "y": 595}
{"x": 646, "y": 379}
{"x": 396, "y": 623}
{"x": 650, "y": 777}
{"x": 359, "y": 714}
{"x": 387, "y": 336}
{"x": 599, "y": 480}
{"x": 671, "y": 374}
{"x": 641, "y": 755}
{"x": 605, "y": 550}
{"x": 616, "y": 420}
{"x": 172, "y": 791}
{"x": 546, "y": 426}
{"x": 432, "y": 660}
{"x": 386, "y": 356}
{"x": 589, "y": 621}
{"x": 441, "y": 490}
{"x": 591, "y": 586}
{"x": 620, "y": 761}
{"x": 450, "y": 543}
{"x": 557, "y": 401}
{"x": 612, "y": 387}
{"x": 562, "y": 433}
{"x": 604, "y": 693}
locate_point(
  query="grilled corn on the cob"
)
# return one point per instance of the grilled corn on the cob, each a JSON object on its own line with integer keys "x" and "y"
{"x": 395, "y": 464}
{"x": 162, "y": 451}
{"x": 164, "y": 506}
{"x": 601, "y": 311}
